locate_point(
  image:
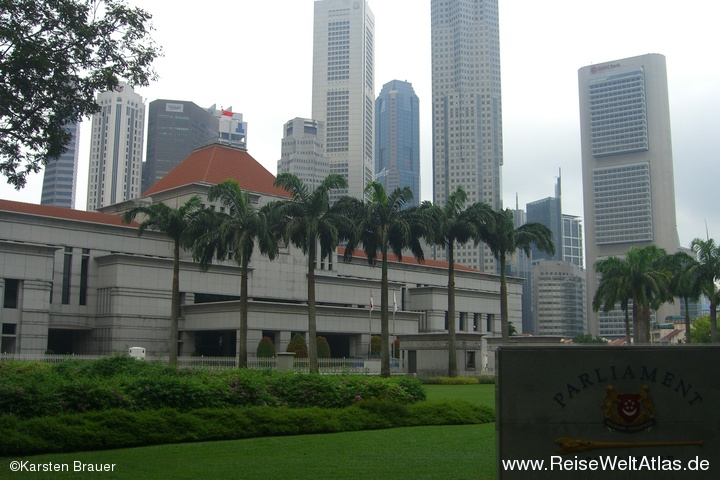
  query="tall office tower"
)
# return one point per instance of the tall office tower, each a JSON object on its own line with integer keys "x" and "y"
{"x": 559, "y": 298}
{"x": 467, "y": 109}
{"x": 548, "y": 211}
{"x": 303, "y": 151}
{"x": 397, "y": 138}
{"x": 628, "y": 185}
{"x": 572, "y": 240}
{"x": 116, "y": 148}
{"x": 343, "y": 95}
{"x": 60, "y": 179}
{"x": 175, "y": 129}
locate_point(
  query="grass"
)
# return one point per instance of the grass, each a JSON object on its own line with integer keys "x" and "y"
{"x": 448, "y": 452}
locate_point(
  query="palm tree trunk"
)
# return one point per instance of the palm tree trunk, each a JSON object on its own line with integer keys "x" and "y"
{"x": 713, "y": 319}
{"x": 636, "y": 321}
{"x": 504, "y": 302}
{"x": 175, "y": 307}
{"x": 312, "y": 324}
{"x": 384, "y": 324}
{"x": 452, "y": 350}
{"x": 242, "y": 334}
{"x": 628, "y": 336}
{"x": 687, "y": 321}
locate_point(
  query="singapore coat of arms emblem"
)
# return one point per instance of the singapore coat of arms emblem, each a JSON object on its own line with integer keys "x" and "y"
{"x": 628, "y": 412}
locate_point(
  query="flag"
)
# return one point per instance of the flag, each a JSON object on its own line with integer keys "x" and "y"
{"x": 394, "y": 302}
{"x": 226, "y": 114}
{"x": 372, "y": 305}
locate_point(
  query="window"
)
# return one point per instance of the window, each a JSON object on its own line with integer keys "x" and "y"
{"x": 11, "y": 293}
{"x": 469, "y": 360}
{"x": 84, "y": 267}
{"x": 67, "y": 276}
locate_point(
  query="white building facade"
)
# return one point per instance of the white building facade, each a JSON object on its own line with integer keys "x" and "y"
{"x": 302, "y": 152}
{"x": 627, "y": 163}
{"x": 116, "y": 148}
{"x": 343, "y": 96}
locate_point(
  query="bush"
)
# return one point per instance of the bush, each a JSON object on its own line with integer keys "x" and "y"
{"x": 265, "y": 348}
{"x": 375, "y": 345}
{"x": 297, "y": 345}
{"x": 323, "y": 348}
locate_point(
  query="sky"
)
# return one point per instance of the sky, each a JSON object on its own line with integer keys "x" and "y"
{"x": 256, "y": 57}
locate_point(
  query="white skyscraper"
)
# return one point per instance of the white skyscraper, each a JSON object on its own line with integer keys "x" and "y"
{"x": 343, "y": 95}
{"x": 628, "y": 184}
{"x": 303, "y": 151}
{"x": 116, "y": 148}
{"x": 467, "y": 109}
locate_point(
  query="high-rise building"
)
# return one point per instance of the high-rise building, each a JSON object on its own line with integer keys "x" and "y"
{"x": 467, "y": 109}
{"x": 558, "y": 298}
{"x": 232, "y": 129}
{"x": 397, "y": 138}
{"x": 60, "y": 178}
{"x": 628, "y": 184}
{"x": 175, "y": 129}
{"x": 572, "y": 240}
{"x": 343, "y": 96}
{"x": 520, "y": 265}
{"x": 116, "y": 146}
{"x": 303, "y": 151}
{"x": 548, "y": 211}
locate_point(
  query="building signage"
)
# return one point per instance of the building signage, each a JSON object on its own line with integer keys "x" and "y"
{"x": 602, "y": 68}
{"x": 612, "y": 412}
{"x": 174, "y": 107}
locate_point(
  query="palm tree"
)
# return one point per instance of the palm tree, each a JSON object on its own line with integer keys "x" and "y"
{"x": 453, "y": 224}
{"x": 175, "y": 223}
{"x": 613, "y": 289}
{"x": 641, "y": 277}
{"x": 234, "y": 233}
{"x": 308, "y": 220}
{"x": 503, "y": 238}
{"x": 708, "y": 256}
{"x": 684, "y": 283}
{"x": 383, "y": 224}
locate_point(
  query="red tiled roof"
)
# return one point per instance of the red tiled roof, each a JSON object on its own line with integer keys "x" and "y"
{"x": 214, "y": 164}
{"x": 411, "y": 260}
{"x": 67, "y": 213}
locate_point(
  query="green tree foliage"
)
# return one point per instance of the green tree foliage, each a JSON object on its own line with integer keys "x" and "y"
{"x": 266, "y": 348}
{"x": 504, "y": 239}
{"x": 708, "y": 257}
{"x": 588, "y": 338}
{"x": 181, "y": 225}
{"x": 451, "y": 225}
{"x": 323, "y": 348}
{"x": 56, "y": 55}
{"x": 685, "y": 283}
{"x": 297, "y": 346}
{"x": 701, "y": 330}
{"x": 308, "y": 220}
{"x": 375, "y": 345}
{"x": 383, "y": 224}
{"x": 234, "y": 233}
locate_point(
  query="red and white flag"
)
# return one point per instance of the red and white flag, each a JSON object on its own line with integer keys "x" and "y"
{"x": 226, "y": 114}
{"x": 372, "y": 305}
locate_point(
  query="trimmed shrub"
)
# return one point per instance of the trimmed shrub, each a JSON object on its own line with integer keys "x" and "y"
{"x": 323, "y": 348}
{"x": 297, "y": 345}
{"x": 266, "y": 348}
{"x": 375, "y": 345}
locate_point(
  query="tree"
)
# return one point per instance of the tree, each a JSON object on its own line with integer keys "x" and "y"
{"x": 323, "y": 347}
{"x": 701, "y": 330}
{"x": 383, "y": 224}
{"x": 504, "y": 239}
{"x": 454, "y": 224}
{"x": 56, "y": 56}
{"x": 642, "y": 277}
{"x": 708, "y": 257}
{"x": 234, "y": 233}
{"x": 684, "y": 283}
{"x": 297, "y": 346}
{"x": 308, "y": 221}
{"x": 587, "y": 338}
{"x": 266, "y": 348}
{"x": 613, "y": 289}
{"x": 180, "y": 225}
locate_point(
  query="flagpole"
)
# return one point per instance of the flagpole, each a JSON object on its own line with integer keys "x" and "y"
{"x": 393, "y": 322}
{"x": 370, "y": 326}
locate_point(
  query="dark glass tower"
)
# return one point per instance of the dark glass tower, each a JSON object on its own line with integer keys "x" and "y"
{"x": 60, "y": 179}
{"x": 397, "y": 138}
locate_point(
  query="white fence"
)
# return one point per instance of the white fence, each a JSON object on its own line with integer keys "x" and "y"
{"x": 326, "y": 365}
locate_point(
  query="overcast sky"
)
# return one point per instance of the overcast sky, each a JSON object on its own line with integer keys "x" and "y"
{"x": 256, "y": 56}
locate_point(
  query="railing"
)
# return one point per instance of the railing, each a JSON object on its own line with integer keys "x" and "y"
{"x": 326, "y": 365}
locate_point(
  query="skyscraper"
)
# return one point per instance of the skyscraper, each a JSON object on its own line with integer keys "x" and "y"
{"x": 548, "y": 211}
{"x": 60, "y": 178}
{"x": 343, "y": 95}
{"x": 116, "y": 148}
{"x": 628, "y": 184}
{"x": 175, "y": 129}
{"x": 467, "y": 108}
{"x": 303, "y": 151}
{"x": 397, "y": 138}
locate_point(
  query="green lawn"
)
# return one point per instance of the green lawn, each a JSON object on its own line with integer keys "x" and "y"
{"x": 452, "y": 452}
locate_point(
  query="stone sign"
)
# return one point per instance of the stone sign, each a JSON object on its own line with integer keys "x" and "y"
{"x": 608, "y": 412}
